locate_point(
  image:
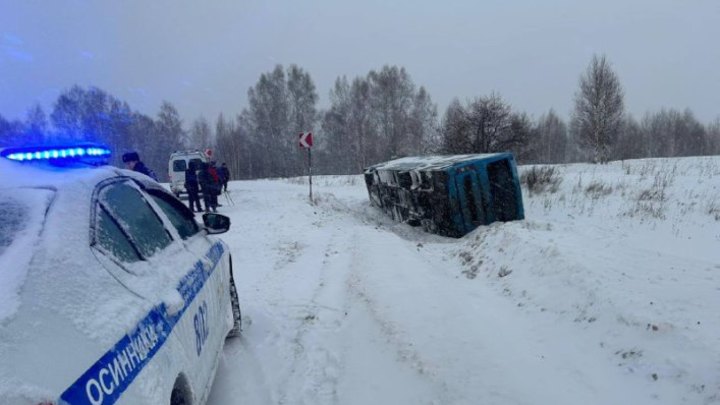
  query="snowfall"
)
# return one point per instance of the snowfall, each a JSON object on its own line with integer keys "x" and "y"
{"x": 607, "y": 293}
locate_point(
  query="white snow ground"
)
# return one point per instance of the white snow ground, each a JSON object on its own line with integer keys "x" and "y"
{"x": 608, "y": 293}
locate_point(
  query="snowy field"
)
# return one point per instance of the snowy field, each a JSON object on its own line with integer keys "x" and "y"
{"x": 608, "y": 293}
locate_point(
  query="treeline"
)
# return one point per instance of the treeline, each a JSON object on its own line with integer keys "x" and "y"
{"x": 370, "y": 119}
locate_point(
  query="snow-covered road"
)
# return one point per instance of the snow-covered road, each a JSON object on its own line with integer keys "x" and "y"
{"x": 597, "y": 298}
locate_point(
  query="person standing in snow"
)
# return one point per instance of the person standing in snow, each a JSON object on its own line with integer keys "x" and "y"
{"x": 193, "y": 187}
{"x": 224, "y": 176}
{"x": 207, "y": 185}
{"x": 217, "y": 183}
{"x": 132, "y": 162}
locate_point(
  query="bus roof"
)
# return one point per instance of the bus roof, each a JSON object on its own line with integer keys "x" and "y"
{"x": 433, "y": 162}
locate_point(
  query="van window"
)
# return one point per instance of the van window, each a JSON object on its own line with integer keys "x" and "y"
{"x": 179, "y": 165}
{"x": 196, "y": 162}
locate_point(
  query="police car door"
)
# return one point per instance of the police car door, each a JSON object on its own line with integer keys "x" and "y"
{"x": 208, "y": 317}
{"x": 153, "y": 262}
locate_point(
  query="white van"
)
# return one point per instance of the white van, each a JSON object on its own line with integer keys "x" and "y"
{"x": 179, "y": 162}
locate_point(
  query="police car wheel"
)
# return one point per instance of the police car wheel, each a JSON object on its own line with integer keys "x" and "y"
{"x": 181, "y": 394}
{"x": 237, "y": 316}
{"x": 235, "y": 302}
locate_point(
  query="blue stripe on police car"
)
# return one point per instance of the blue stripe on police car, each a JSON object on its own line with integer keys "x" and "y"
{"x": 112, "y": 374}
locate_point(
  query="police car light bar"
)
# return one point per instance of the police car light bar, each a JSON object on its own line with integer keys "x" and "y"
{"x": 89, "y": 153}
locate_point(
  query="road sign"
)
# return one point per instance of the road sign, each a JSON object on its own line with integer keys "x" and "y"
{"x": 306, "y": 140}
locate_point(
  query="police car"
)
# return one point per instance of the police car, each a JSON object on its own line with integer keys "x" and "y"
{"x": 110, "y": 292}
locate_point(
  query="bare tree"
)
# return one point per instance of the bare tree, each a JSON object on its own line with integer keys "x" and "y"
{"x": 518, "y": 140}
{"x": 712, "y": 146}
{"x": 234, "y": 147}
{"x": 36, "y": 124}
{"x": 279, "y": 107}
{"x": 302, "y": 99}
{"x": 423, "y": 124}
{"x": 670, "y": 132}
{"x": 599, "y": 109}
{"x": 10, "y": 132}
{"x": 656, "y": 131}
{"x": 93, "y": 114}
{"x": 550, "y": 139}
{"x": 363, "y": 132}
{"x": 170, "y": 133}
{"x": 689, "y": 135}
{"x": 485, "y": 125}
{"x": 631, "y": 142}
{"x": 376, "y": 118}
{"x": 200, "y": 135}
{"x": 267, "y": 115}
{"x": 454, "y": 129}
{"x": 392, "y": 92}
{"x": 340, "y": 145}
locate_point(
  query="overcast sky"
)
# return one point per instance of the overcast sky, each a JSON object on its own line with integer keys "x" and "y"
{"x": 203, "y": 55}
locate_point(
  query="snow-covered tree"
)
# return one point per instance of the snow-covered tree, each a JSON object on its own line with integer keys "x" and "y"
{"x": 599, "y": 109}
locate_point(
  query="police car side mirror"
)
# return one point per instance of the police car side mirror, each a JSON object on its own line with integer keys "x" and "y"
{"x": 216, "y": 223}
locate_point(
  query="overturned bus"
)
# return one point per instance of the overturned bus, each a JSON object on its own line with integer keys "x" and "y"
{"x": 447, "y": 195}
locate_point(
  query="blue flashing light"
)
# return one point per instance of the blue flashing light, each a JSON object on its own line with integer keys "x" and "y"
{"x": 84, "y": 153}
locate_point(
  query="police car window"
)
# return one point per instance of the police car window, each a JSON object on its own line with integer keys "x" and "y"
{"x": 181, "y": 218}
{"x": 113, "y": 240}
{"x": 179, "y": 165}
{"x": 136, "y": 218}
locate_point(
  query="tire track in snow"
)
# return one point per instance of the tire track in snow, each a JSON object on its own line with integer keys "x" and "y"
{"x": 365, "y": 216}
{"x": 231, "y": 384}
{"x": 405, "y": 352}
{"x": 314, "y": 371}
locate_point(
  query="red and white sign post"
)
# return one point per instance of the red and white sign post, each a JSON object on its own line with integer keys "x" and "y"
{"x": 306, "y": 141}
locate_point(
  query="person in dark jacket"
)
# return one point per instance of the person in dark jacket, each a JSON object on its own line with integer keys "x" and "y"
{"x": 207, "y": 185}
{"x": 217, "y": 183}
{"x": 224, "y": 175}
{"x": 193, "y": 187}
{"x": 132, "y": 162}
